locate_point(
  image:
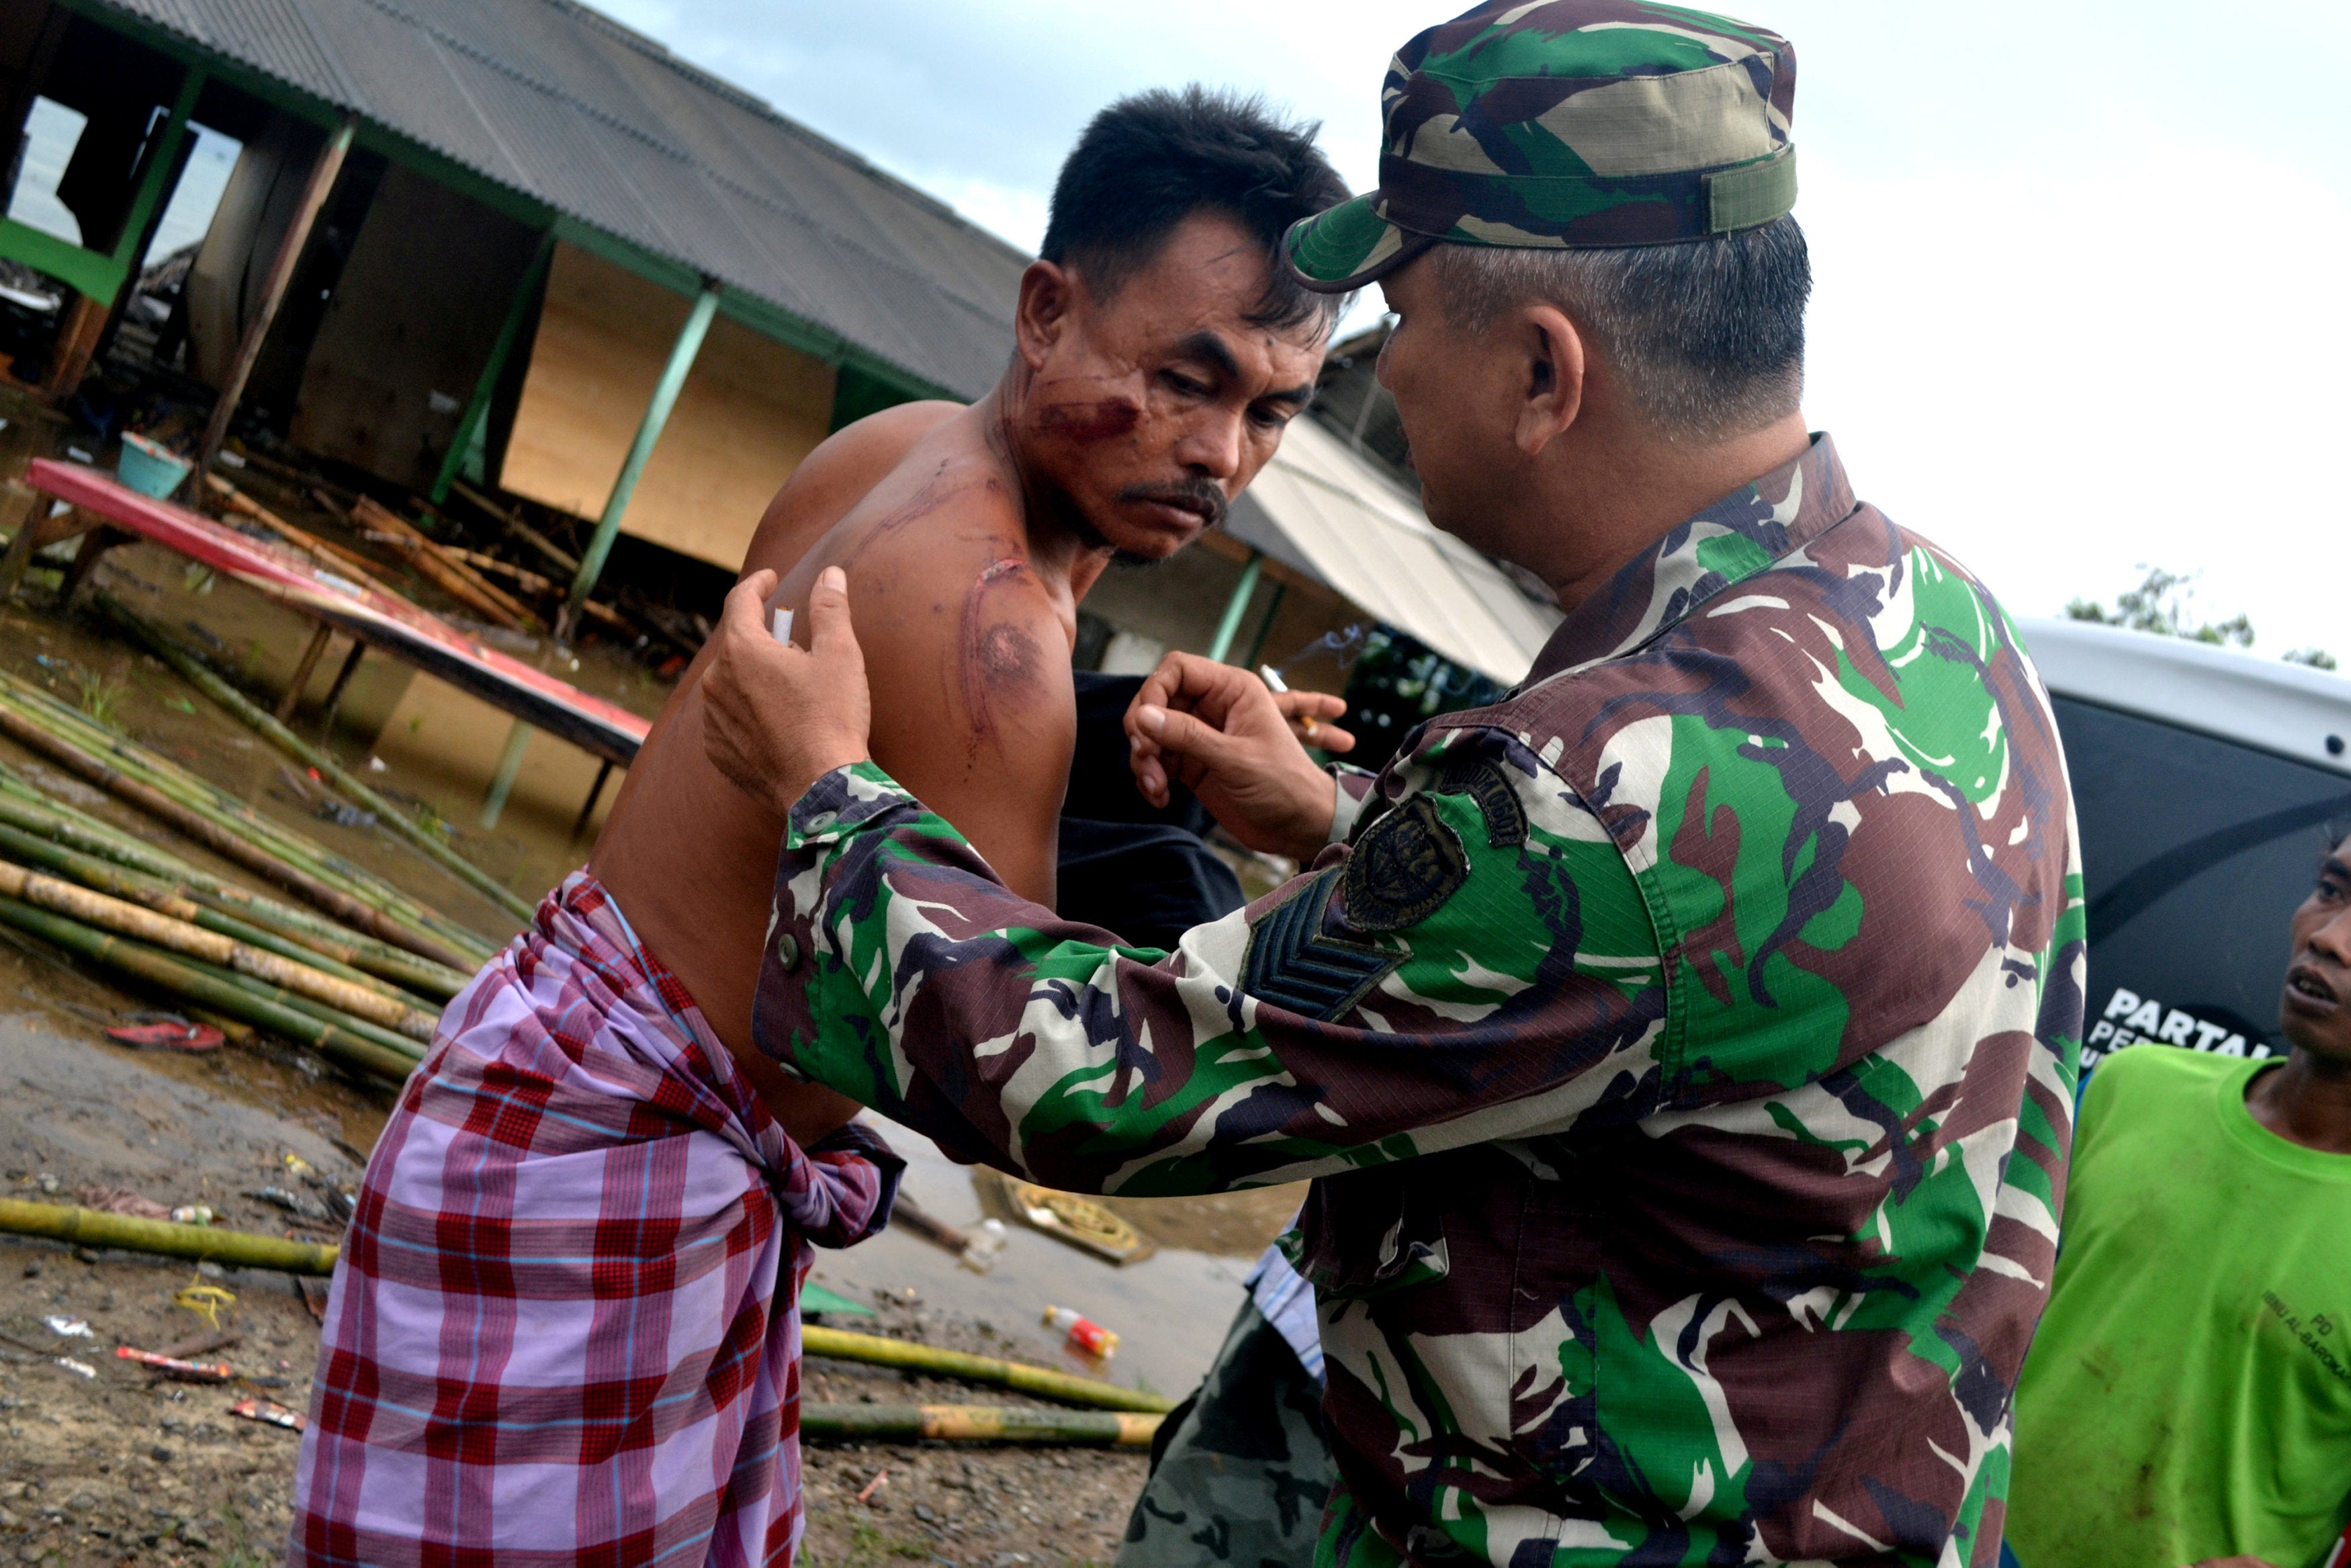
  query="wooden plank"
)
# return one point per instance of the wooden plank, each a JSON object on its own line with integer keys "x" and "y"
{"x": 750, "y": 411}
{"x": 414, "y": 318}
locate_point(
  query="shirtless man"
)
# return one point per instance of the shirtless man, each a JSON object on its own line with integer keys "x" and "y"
{"x": 574, "y": 1223}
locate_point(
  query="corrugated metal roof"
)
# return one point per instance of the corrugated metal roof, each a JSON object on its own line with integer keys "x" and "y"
{"x": 566, "y": 106}
{"x": 1321, "y": 510}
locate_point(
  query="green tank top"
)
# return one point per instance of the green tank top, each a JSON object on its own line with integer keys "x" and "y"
{"x": 2188, "y": 1394}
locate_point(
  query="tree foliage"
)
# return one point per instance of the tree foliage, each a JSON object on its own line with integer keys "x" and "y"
{"x": 2164, "y": 603}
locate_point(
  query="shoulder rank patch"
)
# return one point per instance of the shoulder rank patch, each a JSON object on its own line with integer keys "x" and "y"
{"x": 1294, "y": 965}
{"x": 1488, "y": 782}
{"x": 1403, "y": 868}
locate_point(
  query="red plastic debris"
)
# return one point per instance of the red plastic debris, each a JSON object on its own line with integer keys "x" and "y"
{"x": 268, "y": 1410}
{"x": 178, "y": 1033}
{"x": 172, "y": 1367}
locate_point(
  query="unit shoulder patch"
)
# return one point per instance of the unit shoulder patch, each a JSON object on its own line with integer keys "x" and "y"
{"x": 1488, "y": 782}
{"x": 1404, "y": 868}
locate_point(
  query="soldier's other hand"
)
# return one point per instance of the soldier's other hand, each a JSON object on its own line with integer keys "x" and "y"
{"x": 1218, "y": 730}
{"x": 776, "y": 718}
{"x": 1310, "y": 714}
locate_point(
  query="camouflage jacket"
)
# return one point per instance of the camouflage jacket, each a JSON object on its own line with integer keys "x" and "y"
{"x": 1683, "y": 1048}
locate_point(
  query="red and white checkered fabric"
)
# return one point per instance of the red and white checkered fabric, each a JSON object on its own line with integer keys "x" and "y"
{"x": 555, "y": 1336}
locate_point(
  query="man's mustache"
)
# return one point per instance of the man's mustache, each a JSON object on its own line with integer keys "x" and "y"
{"x": 1203, "y": 495}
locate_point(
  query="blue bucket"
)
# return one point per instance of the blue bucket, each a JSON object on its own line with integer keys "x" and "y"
{"x": 150, "y": 469}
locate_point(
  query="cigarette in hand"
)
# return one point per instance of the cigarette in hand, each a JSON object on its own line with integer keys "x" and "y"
{"x": 1274, "y": 683}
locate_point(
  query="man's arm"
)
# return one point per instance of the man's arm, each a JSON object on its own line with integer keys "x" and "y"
{"x": 1483, "y": 967}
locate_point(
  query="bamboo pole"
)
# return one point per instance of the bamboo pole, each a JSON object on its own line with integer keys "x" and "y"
{"x": 319, "y": 1011}
{"x": 33, "y": 814}
{"x": 190, "y": 941}
{"x": 220, "y": 993}
{"x": 977, "y": 1424}
{"x": 175, "y": 782}
{"x": 201, "y": 795}
{"x": 418, "y": 976}
{"x": 220, "y": 839}
{"x": 293, "y": 746}
{"x": 460, "y": 581}
{"x": 204, "y": 1243}
{"x": 167, "y": 899}
{"x": 331, "y": 555}
{"x": 874, "y": 1350}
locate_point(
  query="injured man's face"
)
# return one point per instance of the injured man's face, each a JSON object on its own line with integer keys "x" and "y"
{"x": 1145, "y": 413}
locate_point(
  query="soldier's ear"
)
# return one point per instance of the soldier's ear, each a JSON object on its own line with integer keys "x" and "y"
{"x": 1552, "y": 376}
{"x": 1049, "y": 293}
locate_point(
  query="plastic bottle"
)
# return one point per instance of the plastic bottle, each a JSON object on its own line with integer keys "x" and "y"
{"x": 1085, "y": 1336}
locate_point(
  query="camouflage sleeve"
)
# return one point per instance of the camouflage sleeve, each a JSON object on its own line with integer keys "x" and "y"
{"x": 1480, "y": 965}
{"x": 1356, "y": 788}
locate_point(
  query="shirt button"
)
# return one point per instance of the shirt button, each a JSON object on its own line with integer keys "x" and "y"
{"x": 788, "y": 951}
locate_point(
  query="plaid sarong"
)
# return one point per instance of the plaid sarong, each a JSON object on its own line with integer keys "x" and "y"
{"x": 554, "y": 1336}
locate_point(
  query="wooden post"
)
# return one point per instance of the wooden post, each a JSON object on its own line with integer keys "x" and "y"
{"x": 342, "y": 683}
{"x": 1229, "y": 627}
{"x": 273, "y": 293}
{"x": 649, "y": 430}
{"x": 303, "y": 668}
{"x": 77, "y": 334}
{"x": 94, "y": 543}
{"x": 477, "y": 407}
{"x": 587, "y": 806}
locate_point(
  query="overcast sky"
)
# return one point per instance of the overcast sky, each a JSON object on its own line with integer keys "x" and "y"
{"x": 2082, "y": 267}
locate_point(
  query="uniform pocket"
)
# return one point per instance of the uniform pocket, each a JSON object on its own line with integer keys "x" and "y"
{"x": 1371, "y": 1233}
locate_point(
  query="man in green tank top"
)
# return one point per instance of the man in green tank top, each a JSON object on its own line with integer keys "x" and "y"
{"x": 2187, "y": 1399}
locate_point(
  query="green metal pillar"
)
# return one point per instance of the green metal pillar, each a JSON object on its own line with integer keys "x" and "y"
{"x": 477, "y": 407}
{"x": 156, "y": 185}
{"x": 101, "y": 276}
{"x": 1265, "y": 627}
{"x": 502, "y": 782}
{"x": 1235, "y": 607}
{"x": 665, "y": 391}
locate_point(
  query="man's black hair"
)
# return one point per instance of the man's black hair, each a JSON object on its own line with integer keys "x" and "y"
{"x": 1148, "y": 162}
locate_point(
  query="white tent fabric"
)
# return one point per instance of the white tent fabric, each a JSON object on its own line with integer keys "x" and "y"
{"x": 1321, "y": 510}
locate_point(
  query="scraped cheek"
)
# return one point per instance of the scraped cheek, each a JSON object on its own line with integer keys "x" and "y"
{"x": 1105, "y": 420}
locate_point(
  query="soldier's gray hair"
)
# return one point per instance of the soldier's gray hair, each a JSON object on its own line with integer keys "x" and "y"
{"x": 1708, "y": 334}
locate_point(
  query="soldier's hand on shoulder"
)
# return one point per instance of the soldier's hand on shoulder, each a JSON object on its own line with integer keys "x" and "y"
{"x": 776, "y": 718}
{"x": 1220, "y": 731}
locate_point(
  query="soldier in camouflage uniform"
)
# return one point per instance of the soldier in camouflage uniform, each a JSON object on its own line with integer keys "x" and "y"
{"x": 1683, "y": 1047}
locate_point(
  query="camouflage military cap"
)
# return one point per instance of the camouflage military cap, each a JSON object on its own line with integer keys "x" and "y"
{"x": 1567, "y": 124}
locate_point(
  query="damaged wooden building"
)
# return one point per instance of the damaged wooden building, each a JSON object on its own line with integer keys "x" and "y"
{"x": 514, "y": 245}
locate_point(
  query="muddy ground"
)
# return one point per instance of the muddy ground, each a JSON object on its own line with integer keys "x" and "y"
{"x": 115, "y": 1465}
{"x": 118, "y": 1467}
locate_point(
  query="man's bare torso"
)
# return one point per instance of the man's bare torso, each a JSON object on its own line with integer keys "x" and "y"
{"x": 967, "y": 640}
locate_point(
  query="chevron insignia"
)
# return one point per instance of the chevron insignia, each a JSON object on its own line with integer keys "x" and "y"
{"x": 1294, "y": 965}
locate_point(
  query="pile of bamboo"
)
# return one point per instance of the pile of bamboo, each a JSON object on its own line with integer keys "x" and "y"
{"x": 323, "y": 763}
{"x": 359, "y": 976}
